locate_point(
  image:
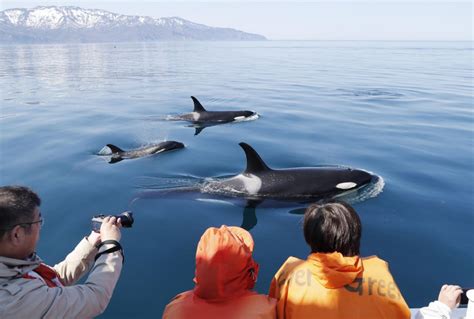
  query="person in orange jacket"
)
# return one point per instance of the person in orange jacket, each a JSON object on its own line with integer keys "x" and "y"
{"x": 334, "y": 281}
{"x": 225, "y": 276}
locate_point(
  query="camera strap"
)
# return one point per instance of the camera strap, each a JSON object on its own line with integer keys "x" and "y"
{"x": 117, "y": 247}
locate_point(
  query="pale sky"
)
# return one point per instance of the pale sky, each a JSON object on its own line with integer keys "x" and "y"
{"x": 429, "y": 20}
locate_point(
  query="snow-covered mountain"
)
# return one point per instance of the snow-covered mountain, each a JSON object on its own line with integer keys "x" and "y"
{"x": 73, "y": 24}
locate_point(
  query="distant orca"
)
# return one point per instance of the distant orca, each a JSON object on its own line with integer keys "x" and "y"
{"x": 260, "y": 181}
{"x": 118, "y": 154}
{"x": 202, "y": 118}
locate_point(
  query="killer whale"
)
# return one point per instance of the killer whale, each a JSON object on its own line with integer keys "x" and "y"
{"x": 261, "y": 186}
{"x": 201, "y": 118}
{"x": 260, "y": 181}
{"x": 118, "y": 154}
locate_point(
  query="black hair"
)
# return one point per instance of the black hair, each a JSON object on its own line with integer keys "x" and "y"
{"x": 331, "y": 227}
{"x": 17, "y": 205}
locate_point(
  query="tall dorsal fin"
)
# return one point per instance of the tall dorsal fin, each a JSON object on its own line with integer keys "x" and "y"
{"x": 114, "y": 148}
{"x": 254, "y": 161}
{"x": 197, "y": 105}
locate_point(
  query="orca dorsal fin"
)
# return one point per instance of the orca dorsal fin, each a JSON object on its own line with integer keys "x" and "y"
{"x": 254, "y": 161}
{"x": 114, "y": 148}
{"x": 198, "y": 106}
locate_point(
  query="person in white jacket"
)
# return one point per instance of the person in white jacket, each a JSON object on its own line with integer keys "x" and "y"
{"x": 448, "y": 299}
{"x": 31, "y": 289}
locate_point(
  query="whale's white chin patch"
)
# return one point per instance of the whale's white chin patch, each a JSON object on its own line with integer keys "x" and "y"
{"x": 246, "y": 118}
{"x": 346, "y": 185}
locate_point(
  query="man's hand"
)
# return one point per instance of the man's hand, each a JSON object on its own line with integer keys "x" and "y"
{"x": 94, "y": 238}
{"x": 110, "y": 229}
{"x": 450, "y": 295}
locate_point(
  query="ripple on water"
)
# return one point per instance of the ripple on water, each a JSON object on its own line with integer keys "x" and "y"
{"x": 370, "y": 93}
{"x": 7, "y": 116}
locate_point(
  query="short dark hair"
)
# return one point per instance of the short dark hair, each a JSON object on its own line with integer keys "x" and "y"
{"x": 17, "y": 205}
{"x": 334, "y": 226}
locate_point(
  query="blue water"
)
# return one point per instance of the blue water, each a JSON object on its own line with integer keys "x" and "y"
{"x": 403, "y": 110}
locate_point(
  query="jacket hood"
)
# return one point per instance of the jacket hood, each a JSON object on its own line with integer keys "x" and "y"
{"x": 224, "y": 264}
{"x": 13, "y": 268}
{"x": 333, "y": 270}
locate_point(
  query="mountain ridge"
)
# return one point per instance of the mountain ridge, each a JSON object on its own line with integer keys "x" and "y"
{"x": 69, "y": 24}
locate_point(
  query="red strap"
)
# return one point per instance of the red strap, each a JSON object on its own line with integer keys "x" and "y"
{"x": 49, "y": 275}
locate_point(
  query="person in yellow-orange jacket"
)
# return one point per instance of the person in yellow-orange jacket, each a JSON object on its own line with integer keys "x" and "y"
{"x": 225, "y": 276}
{"x": 334, "y": 281}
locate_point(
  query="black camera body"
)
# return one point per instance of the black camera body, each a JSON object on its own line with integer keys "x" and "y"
{"x": 464, "y": 300}
{"x": 126, "y": 220}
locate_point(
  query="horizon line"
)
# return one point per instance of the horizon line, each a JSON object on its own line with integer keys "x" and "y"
{"x": 217, "y": 41}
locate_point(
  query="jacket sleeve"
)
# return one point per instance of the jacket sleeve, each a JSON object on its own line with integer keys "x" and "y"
{"x": 36, "y": 300}
{"x": 77, "y": 263}
{"x": 279, "y": 291}
{"x": 274, "y": 289}
{"x": 279, "y": 280}
{"x": 435, "y": 310}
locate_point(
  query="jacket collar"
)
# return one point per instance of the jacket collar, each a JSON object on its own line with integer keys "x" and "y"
{"x": 333, "y": 270}
{"x": 11, "y": 268}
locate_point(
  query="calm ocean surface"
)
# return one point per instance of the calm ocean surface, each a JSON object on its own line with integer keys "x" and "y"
{"x": 403, "y": 110}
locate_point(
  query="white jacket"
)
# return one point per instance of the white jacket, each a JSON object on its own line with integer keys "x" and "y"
{"x": 32, "y": 298}
{"x": 435, "y": 310}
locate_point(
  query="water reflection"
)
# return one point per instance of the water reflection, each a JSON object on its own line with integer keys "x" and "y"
{"x": 87, "y": 67}
{"x": 249, "y": 216}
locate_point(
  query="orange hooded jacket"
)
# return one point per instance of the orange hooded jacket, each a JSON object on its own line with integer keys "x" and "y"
{"x": 333, "y": 286}
{"x": 225, "y": 276}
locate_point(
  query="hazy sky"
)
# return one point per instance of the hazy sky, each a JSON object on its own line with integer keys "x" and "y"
{"x": 305, "y": 20}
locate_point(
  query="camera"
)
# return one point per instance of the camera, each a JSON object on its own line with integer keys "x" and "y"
{"x": 464, "y": 299}
{"x": 126, "y": 220}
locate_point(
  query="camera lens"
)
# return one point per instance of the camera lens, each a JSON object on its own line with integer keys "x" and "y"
{"x": 126, "y": 219}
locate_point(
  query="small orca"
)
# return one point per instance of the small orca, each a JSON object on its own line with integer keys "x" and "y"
{"x": 118, "y": 154}
{"x": 202, "y": 118}
{"x": 260, "y": 181}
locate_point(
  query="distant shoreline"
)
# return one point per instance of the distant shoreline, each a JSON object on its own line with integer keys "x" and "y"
{"x": 238, "y": 41}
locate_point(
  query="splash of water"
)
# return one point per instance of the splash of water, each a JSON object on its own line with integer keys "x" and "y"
{"x": 105, "y": 151}
{"x": 371, "y": 190}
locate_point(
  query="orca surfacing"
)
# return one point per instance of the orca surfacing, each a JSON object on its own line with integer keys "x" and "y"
{"x": 260, "y": 181}
{"x": 201, "y": 118}
{"x": 118, "y": 154}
